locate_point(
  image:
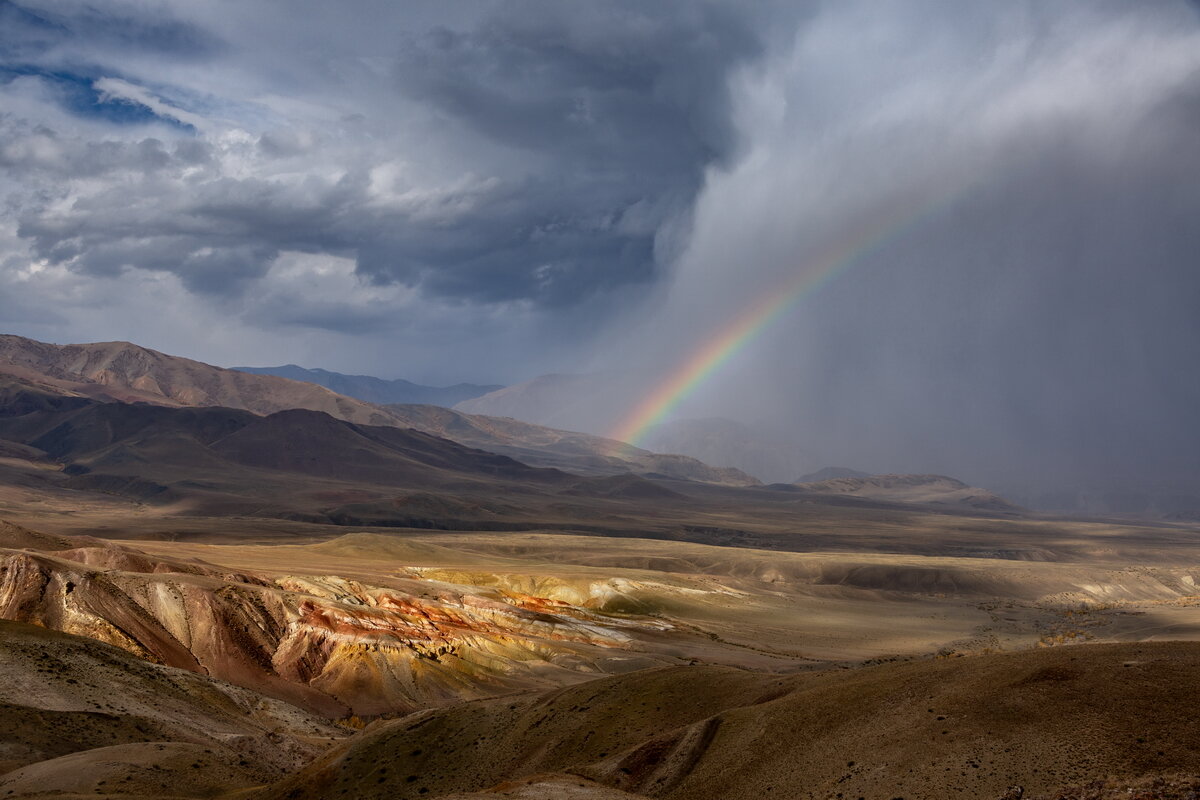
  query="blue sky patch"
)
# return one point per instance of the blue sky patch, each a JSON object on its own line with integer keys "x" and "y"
{"x": 75, "y": 92}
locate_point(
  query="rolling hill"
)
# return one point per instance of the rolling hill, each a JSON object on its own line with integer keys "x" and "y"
{"x": 78, "y": 716}
{"x": 992, "y": 726}
{"x": 175, "y": 448}
{"x": 925, "y": 489}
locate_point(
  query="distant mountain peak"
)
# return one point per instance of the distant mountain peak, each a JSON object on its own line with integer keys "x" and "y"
{"x": 830, "y": 473}
{"x": 376, "y": 390}
{"x": 904, "y": 488}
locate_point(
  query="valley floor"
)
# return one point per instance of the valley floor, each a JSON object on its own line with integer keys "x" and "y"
{"x": 540, "y": 664}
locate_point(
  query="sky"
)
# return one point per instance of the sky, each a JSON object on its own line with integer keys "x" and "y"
{"x": 490, "y": 191}
{"x": 428, "y": 190}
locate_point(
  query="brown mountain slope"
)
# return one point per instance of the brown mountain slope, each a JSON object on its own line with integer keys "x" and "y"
{"x": 547, "y": 787}
{"x": 298, "y": 441}
{"x": 472, "y": 747}
{"x": 969, "y": 727}
{"x": 125, "y": 372}
{"x": 220, "y": 460}
{"x": 61, "y": 696}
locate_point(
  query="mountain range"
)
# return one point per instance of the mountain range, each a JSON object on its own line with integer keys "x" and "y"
{"x": 377, "y": 390}
{"x": 125, "y": 372}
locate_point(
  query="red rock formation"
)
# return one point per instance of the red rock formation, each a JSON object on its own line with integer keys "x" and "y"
{"x": 325, "y": 643}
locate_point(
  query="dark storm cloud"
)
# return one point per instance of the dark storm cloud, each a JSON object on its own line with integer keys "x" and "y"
{"x": 493, "y": 251}
{"x": 617, "y": 110}
{"x": 225, "y": 235}
{"x": 598, "y": 125}
{"x": 1031, "y": 326}
{"x": 25, "y": 33}
{"x": 29, "y": 30}
{"x": 621, "y": 88}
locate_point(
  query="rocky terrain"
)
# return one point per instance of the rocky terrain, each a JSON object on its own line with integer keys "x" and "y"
{"x": 334, "y": 645}
{"x": 973, "y": 727}
{"x": 494, "y": 666}
{"x": 427, "y": 629}
{"x": 83, "y": 717}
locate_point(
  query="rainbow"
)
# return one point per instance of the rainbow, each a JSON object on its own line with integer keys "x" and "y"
{"x": 870, "y": 234}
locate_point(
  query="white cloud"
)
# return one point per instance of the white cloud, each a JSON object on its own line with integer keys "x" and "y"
{"x": 115, "y": 89}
